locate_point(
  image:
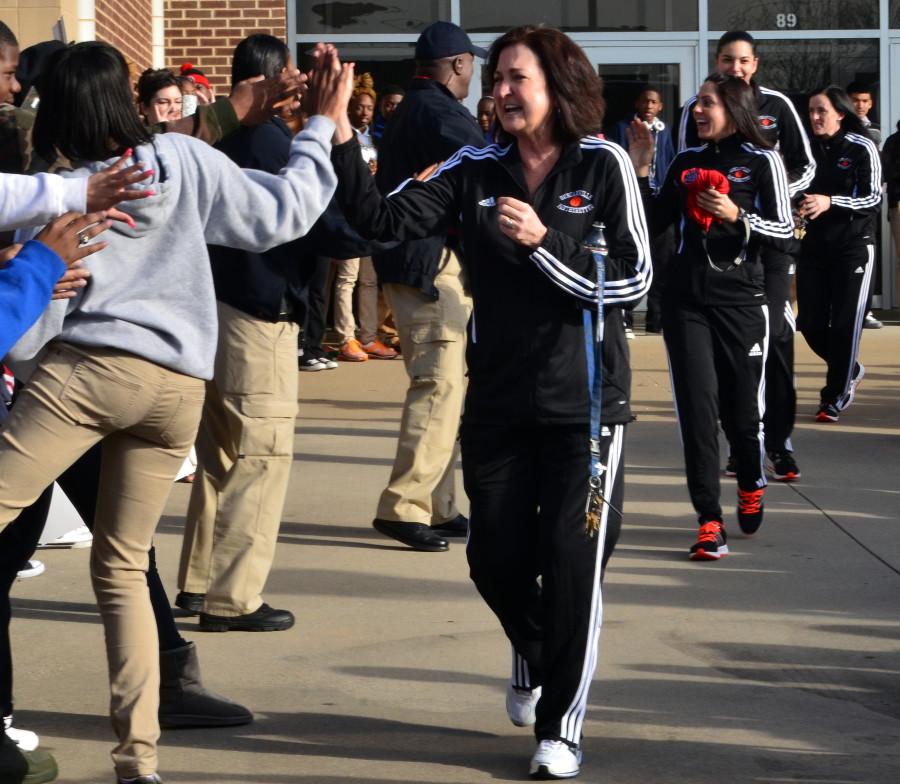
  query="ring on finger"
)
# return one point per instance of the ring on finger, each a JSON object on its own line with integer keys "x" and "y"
{"x": 507, "y": 221}
{"x": 83, "y": 239}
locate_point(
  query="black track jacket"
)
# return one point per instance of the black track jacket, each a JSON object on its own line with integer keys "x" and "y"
{"x": 780, "y": 125}
{"x": 759, "y": 185}
{"x": 526, "y": 352}
{"x": 848, "y": 168}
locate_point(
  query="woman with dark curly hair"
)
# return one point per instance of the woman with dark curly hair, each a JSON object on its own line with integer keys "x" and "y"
{"x": 524, "y": 207}
{"x": 159, "y": 96}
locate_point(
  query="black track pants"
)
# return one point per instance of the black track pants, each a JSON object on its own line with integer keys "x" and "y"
{"x": 527, "y": 488}
{"x": 832, "y": 298}
{"x": 781, "y": 394}
{"x": 716, "y": 357}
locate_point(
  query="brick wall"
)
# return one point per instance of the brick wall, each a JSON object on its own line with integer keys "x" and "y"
{"x": 205, "y": 32}
{"x": 126, "y": 24}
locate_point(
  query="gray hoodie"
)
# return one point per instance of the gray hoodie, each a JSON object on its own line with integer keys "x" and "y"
{"x": 151, "y": 291}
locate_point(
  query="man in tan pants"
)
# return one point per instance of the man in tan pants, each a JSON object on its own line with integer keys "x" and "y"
{"x": 424, "y": 286}
{"x": 245, "y": 446}
{"x": 432, "y": 335}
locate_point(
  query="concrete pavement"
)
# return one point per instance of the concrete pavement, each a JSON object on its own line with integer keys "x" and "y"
{"x": 779, "y": 664}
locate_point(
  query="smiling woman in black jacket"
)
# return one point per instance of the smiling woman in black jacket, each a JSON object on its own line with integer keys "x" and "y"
{"x": 730, "y": 198}
{"x": 523, "y": 207}
{"x": 838, "y": 252}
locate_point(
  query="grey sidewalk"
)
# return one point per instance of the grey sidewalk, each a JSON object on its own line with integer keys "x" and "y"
{"x": 779, "y": 664}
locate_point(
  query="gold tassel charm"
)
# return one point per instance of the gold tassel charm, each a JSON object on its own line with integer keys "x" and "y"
{"x": 594, "y": 508}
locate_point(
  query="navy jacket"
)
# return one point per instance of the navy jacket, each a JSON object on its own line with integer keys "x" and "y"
{"x": 428, "y": 127}
{"x": 262, "y": 284}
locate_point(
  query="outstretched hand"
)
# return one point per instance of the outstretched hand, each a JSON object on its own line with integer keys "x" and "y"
{"x": 641, "y": 146}
{"x": 330, "y": 88}
{"x": 70, "y": 235}
{"x": 257, "y": 100}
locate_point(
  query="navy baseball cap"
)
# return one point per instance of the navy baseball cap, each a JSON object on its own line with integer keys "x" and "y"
{"x": 445, "y": 39}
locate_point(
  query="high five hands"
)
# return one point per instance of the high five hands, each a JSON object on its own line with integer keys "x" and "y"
{"x": 330, "y": 88}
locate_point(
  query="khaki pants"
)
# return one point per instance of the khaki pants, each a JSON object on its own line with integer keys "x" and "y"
{"x": 244, "y": 451}
{"x": 433, "y": 340}
{"x": 147, "y": 418}
{"x": 348, "y": 272}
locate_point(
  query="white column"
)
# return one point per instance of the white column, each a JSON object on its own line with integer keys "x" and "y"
{"x": 157, "y": 15}
{"x": 87, "y": 21}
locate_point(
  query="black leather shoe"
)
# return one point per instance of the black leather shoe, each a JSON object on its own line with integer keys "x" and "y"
{"x": 265, "y": 619}
{"x": 415, "y": 535}
{"x": 458, "y": 526}
{"x": 191, "y": 603}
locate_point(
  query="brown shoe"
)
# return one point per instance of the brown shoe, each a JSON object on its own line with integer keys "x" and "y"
{"x": 352, "y": 351}
{"x": 377, "y": 350}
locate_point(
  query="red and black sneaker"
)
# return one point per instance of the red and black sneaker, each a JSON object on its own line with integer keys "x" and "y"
{"x": 828, "y": 412}
{"x": 750, "y": 510}
{"x": 711, "y": 542}
{"x": 782, "y": 466}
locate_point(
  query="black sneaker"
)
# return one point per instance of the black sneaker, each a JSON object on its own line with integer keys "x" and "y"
{"x": 828, "y": 412}
{"x": 782, "y": 466}
{"x": 191, "y": 603}
{"x": 711, "y": 542}
{"x": 265, "y": 619}
{"x": 731, "y": 466}
{"x": 750, "y": 510}
{"x": 25, "y": 767}
{"x": 310, "y": 364}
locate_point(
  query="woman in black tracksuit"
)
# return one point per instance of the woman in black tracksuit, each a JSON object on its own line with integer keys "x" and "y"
{"x": 838, "y": 251}
{"x": 525, "y": 431}
{"x": 715, "y": 316}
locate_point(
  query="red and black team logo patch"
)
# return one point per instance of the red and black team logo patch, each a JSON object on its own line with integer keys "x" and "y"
{"x": 844, "y": 163}
{"x": 767, "y": 122}
{"x": 738, "y": 174}
{"x": 576, "y": 202}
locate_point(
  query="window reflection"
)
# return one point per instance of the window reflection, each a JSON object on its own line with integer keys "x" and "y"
{"x": 598, "y": 15}
{"x": 393, "y": 16}
{"x": 797, "y": 67}
{"x": 795, "y": 15}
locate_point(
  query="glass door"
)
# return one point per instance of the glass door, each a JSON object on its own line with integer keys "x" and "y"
{"x": 626, "y": 69}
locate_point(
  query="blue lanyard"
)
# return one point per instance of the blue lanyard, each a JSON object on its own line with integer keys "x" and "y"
{"x": 593, "y": 344}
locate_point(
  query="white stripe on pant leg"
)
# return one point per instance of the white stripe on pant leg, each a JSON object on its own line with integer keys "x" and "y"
{"x": 573, "y": 718}
{"x": 761, "y": 403}
{"x": 861, "y": 302}
{"x": 789, "y": 317}
{"x": 521, "y": 678}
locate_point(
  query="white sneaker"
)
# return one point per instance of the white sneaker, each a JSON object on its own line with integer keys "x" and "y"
{"x": 32, "y": 569}
{"x": 25, "y": 740}
{"x": 521, "y": 704}
{"x": 854, "y": 383}
{"x": 74, "y": 539}
{"x": 555, "y": 760}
